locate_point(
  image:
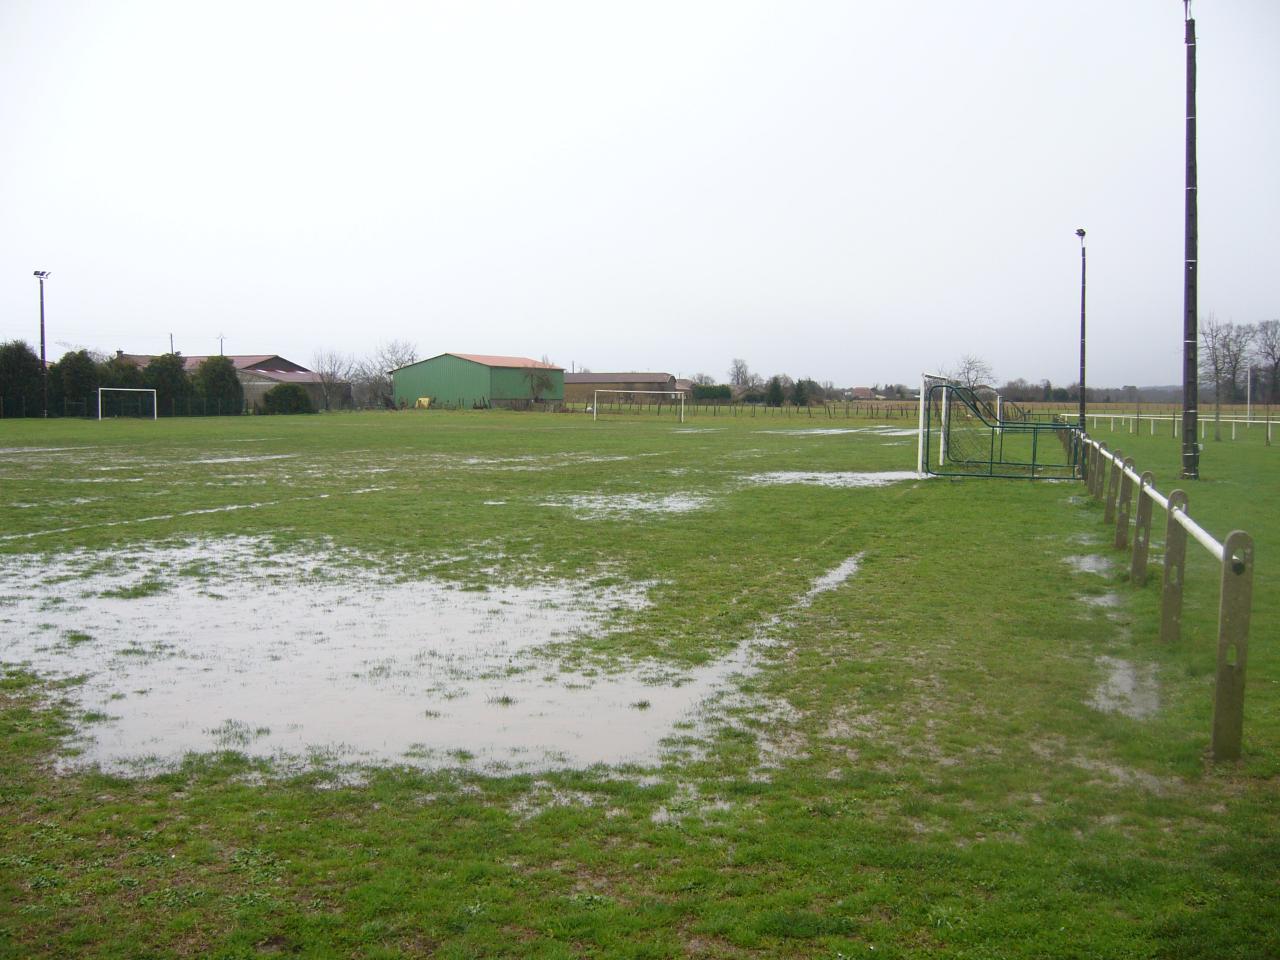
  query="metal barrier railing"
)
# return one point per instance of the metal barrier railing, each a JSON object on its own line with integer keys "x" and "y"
{"x": 1111, "y": 477}
{"x": 1132, "y": 423}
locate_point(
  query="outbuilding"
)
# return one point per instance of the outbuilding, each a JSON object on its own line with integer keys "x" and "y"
{"x": 478, "y": 380}
{"x": 580, "y": 387}
{"x": 259, "y": 372}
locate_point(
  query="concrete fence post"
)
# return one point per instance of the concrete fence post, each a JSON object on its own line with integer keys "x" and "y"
{"x": 1122, "y": 508}
{"x": 1099, "y": 469}
{"x": 1233, "y": 644}
{"x": 1175, "y": 560}
{"x": 1113, "y": 488}
{"x": 1141, "y": 533}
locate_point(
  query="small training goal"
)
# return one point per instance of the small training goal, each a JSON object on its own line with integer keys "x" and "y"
{"x": 968, "y": 431}
{"x": 135, "y": 402}
{"x": 625, "y": 401}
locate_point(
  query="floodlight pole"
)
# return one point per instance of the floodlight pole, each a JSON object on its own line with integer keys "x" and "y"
{"x": 44, "y": 367}
{"x": 1190, "y": 332}
{"x": 1080, "y": 234}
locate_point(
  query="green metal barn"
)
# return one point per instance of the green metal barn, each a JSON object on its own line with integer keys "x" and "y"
{"x": 469, "y": 380}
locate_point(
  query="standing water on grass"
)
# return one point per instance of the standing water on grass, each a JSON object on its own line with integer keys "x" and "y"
{"x": 226, "y": 645}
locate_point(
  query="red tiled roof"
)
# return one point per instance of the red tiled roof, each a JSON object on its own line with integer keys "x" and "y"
{"x": 490, "y": 360}
{"x": 239, "y": 361}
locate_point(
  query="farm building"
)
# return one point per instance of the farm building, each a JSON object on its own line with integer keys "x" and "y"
{"x": 258, "y": 373}
{"x": 471, "y": 380}
{"x": 579, "y": 387}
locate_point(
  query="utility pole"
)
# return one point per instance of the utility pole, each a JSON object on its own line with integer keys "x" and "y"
{"x": 44, "y": 367}
{"x": 221, "y": 337}
{"x": 1190, "y": 304}
{"x": 1080, "y": 234}
{"x": 171, "y": 343}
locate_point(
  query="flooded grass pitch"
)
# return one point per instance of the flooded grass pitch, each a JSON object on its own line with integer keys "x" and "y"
{"x": 314, "y": 658}
{"x": 937, "y": 747}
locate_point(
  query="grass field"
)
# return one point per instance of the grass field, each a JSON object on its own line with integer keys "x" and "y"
{"x": 487, "y": 684}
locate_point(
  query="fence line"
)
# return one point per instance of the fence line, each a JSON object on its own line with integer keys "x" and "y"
{"x": 1132, "y": 423}
{"x": 891, "y": 410}
{"x": 1111, "y": 477}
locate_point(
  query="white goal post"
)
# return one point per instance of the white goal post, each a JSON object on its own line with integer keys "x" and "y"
{"x": 673, "y": 394}
{"x": 926, "y": 381}
{"x": 155, "y": 406}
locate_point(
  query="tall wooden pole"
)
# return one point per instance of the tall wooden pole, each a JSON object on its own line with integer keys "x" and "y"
{"x": 1190, "y": 332}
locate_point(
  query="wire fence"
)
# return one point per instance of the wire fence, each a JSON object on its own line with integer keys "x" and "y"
{"x": 851, "y": 410}
{"x": 19, "y": 407}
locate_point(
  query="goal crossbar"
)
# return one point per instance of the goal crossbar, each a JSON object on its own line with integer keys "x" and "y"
{"x": 673, "y": 394}
{"x": 155, "y": 406}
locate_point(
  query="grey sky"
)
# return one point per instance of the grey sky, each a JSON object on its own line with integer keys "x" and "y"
{"x": 850, "y": 191}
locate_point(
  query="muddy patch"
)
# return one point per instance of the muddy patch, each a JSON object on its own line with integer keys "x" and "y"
{"x": 1126, "y": 688}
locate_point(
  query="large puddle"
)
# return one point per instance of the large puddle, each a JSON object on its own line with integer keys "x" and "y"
{"x": 316, "y": 659}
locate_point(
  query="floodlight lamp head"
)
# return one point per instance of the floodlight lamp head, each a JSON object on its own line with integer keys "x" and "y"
{"x": 1080, "y": 232}
{"x": 41, "y": 274}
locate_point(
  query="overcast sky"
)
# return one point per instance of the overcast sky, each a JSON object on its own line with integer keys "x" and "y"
{"x": 849, "y": 191}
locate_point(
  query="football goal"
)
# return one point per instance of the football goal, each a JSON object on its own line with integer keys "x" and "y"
{"x": 134, "y": 403}
{"x": 615, "y": 401}
{"x": 973, "y": 431}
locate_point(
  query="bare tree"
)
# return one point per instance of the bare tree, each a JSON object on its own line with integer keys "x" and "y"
{"x": 704, "y": 380}
{"x": 540, "y": 381}
{"x": 1266, "y": 354}
{"x": 1224, "y": 348}
{"x": 973, "y": 371}
{"x": 372, "y": 376}
{"x": 335, "y": 370}
{"x": 740, "y": 373}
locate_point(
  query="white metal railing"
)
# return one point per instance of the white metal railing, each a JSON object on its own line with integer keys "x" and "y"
{"x": 1132, "y": 423}
{"x": 1112, "y": 477}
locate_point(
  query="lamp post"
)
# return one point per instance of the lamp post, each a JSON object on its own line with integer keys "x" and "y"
{"x": 1080, "y": 234}
{"x": 44, "y": 369}
{"x": 1190, "y": 280}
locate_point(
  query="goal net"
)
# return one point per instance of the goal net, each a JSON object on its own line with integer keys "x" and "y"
{"x": 127, "y": 402}
{"x": 973, "y": 431}
{"x": 636, "y": 401}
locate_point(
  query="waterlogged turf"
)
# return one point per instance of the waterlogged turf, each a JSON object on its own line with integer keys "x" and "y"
{"x": 460, "y": 684}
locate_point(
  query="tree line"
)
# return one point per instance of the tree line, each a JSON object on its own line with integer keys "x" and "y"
{"x": 73, "y": 382}
{"x": 369, "y": 376}
{"x": 774, "y": 391}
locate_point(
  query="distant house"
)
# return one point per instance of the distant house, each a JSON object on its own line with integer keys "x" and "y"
{"x": 258, "y": 373}
{"x": 862, "y": 393}
{"x": 581, "y": 387}
{"x": 478, "y": 380}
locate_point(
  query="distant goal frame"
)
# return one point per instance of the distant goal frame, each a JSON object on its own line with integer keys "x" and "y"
{"x": 673, "y": 394}
{"x": 155, "y": 401}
